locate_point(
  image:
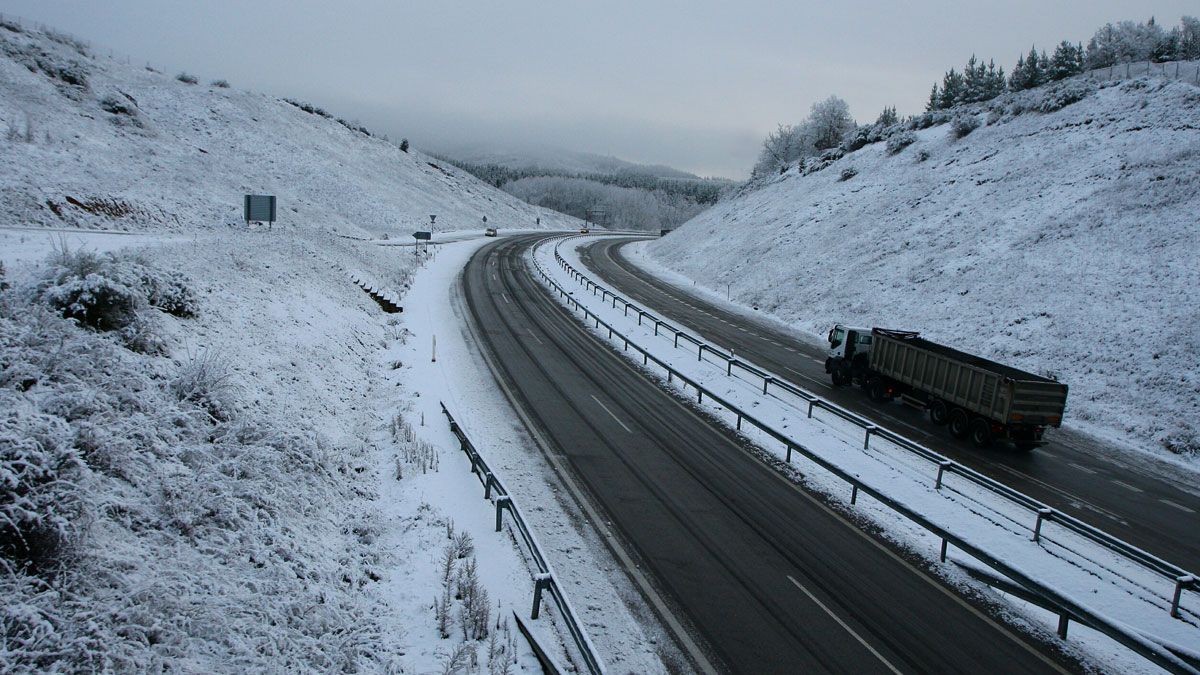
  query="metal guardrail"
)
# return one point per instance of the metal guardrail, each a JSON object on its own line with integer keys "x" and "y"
{"x": 1154, "y": 650}
{"x": 544, "y": 580}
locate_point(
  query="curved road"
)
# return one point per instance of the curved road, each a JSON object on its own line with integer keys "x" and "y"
{"x": 772, "y": 579}
{"x": 1113, "y": 491}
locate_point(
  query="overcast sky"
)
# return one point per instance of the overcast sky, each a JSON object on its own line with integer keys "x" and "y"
{"x": 695, "y": 85}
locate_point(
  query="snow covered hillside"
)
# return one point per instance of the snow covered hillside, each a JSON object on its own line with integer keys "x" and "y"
{"x": 91, "y": 142}
{"x": 1063, "y": 242}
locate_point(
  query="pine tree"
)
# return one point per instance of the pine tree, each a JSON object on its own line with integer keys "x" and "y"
{"x": 974, "y": 87}
{"x": 1062, "y": 64}
{"x": 1035, "y": 69}
{"x": 888, "y": 117}
{"x": 1016, "y": 81}
{"x": 935, "y": 99}
{"x": 952, "y": 89}
{"x": 404, "y": 144}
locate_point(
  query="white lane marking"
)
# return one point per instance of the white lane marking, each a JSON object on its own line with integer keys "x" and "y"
{"x": 1082, "y": 467}
{"x": 794, "y": 370}
{"x": 1181, "y": 507}
{"x": 843, "y": 624}
{"x": 495, "y": 278}
{"x": 505, "y": 296}
{"x": 1127, "y": 486}
{"x": 610, "y": 414}
{"x": 535, "y": 337}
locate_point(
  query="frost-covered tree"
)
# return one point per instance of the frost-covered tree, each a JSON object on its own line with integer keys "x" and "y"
{"x": 829, "y": 121}
{"x": 888, "y": 117}
{"x": 1188, "y": 42}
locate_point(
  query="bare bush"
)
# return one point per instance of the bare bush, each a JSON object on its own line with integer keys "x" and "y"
{"x": 187, "y": 78}
{"x": 848, "y": 173}
{"x": 221, "y": 84}
{"x": 207, "y": 381}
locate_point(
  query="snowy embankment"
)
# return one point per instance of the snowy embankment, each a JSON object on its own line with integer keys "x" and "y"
{"x": 1061, "y": 242}
{"x": 1078, "y": 569}
{"x": 94, "y": 143}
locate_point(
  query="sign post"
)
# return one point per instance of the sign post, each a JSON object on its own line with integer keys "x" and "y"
{"x": 420, "y": 236}
{"x": 260, "y": 209}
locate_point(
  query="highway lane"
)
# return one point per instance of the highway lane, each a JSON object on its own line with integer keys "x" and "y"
{"x": 771, "y": 578}
{"x": 1126, "y": 496}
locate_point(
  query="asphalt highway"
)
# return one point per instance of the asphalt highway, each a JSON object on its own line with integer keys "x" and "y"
{"x": 1132, "y": 498}
{"x": 767, "y": 576}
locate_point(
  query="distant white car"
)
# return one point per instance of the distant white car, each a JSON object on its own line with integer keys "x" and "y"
{"x": 490, "y": 232}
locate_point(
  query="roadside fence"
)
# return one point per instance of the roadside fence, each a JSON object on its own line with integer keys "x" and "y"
{"x": 544, "y": 581}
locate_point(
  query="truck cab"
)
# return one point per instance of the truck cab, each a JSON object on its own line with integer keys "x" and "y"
{"x": 849, "y": 353}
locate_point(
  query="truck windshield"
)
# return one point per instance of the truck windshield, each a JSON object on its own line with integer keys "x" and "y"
{"x": 837, "y": 337}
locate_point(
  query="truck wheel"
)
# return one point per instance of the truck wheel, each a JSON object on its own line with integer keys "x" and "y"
{"x": 877, "y": 390}
{"x": 938, "y": 414}
{"x": 838, "y": 375}
{"x": 959, "y": 423}
{"x": 981, "y": 433}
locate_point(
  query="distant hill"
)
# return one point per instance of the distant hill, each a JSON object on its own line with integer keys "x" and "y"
{"x": 557, "y": 161}
{"x": 1054, "y": 229}
{"x": 628, "y": 196}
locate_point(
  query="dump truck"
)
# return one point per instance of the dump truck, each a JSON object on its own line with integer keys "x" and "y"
{"x": 975, "y": 397}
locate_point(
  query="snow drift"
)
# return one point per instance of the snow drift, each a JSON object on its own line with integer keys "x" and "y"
{"x": 1062, "y": 242}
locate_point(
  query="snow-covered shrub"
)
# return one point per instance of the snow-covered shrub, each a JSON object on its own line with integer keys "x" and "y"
{"x": 848, "y": 173}
{"x": 922, "y": 155}
{"x": 105, "y": 292}
{"x": 900, "y": 141}
{"x": 39, "y": 473}
{"x": 118, "y": 106}
{"x": 963, "y": 125}
{"x": 221, "y": 84}
{"x": 187, "y": 78}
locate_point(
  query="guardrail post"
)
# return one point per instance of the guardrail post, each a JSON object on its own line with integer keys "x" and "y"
{"x": 789, "y": 453}
{"x": 1182, "y": 582}
{"x": 1063, "y": 620}
{"x": 614, "y": 302}
{"x": 1043, "y": 514}
{"x": 610, "y": 332}
{"x": 870, "y": 429}
{"x": 853, "y": 494}
{"x": 942, "y": 466}
{"x": 811, "y": 403}
{"x": 627, "y": 309}
{"x": 626, "y": 344}
{"x": 656, "y": 328}
{"x": 945, "y": 545}
{"x": 766, "y": 380}
{"x": 699, "y": 395}
{"x": 487, "y": 485}
{"x": 676, "y": 339}
{"x": 739, "y": 421}
{"x": 541, "y": 583}
{"x": 640, "y": 313}
{"x": 700, "y": 353}
{"x": 729, "y": 368}
{"x": 502, "y": 502}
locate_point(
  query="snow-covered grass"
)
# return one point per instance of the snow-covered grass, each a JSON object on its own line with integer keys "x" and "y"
{"x": 92, "y": 142}
{"x": 1105, "y": 583}
{"x": 1061, "y": 242}
{"x": 157, "y": 513}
